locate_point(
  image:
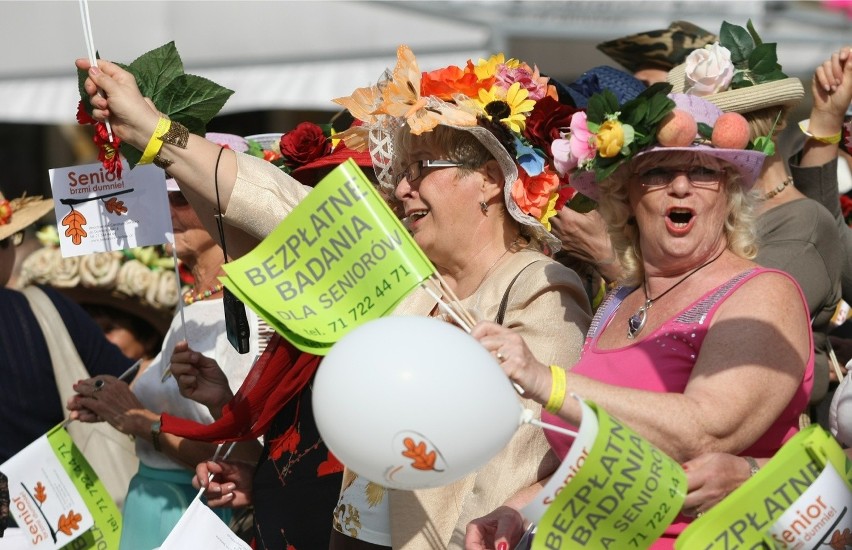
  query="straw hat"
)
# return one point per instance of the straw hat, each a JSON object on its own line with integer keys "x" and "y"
{"x": 18, "y": 214}
{"x": 787, "y": 92}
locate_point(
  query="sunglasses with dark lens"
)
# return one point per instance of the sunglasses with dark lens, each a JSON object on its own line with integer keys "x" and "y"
{"x": 14, "y": 240}
{"x": 177, "y": 199}
{"x": 698, "y": 175}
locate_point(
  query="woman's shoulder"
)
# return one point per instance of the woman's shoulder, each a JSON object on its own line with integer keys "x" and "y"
{"x": 761, "y": 287}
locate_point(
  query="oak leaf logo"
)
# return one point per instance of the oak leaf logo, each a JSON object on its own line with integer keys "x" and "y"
{"x": 115, "y": 206}
{"x": 40, "y": 493}
{"x": 70, "y": 523}
{"x": 421, "y": 459}
{"x": 841, "y": 540}
{"x": 75, "y": 221}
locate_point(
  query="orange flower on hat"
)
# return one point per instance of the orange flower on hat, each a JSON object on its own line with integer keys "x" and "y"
{"x": 533, "y": 193}
{"x": 446, "y": 83}
{"x": 5, "y": 212}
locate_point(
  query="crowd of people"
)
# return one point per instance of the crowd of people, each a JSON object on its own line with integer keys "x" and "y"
{"x": 634, "y": 237}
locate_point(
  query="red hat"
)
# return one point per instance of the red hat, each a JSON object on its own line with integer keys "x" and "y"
{"x": 312, "y": 172}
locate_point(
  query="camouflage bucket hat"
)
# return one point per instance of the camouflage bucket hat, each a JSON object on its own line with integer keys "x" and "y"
{"x": 662, "y": 49}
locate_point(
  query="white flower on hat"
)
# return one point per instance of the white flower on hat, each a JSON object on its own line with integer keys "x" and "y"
{"x": 134, "y": 278}
{"x": 709, "y": 70}
{"x": 163, "y": 291}
{"x": 100, "y": 270}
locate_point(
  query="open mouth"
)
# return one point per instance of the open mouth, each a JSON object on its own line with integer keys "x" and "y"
{"x": 415, "y": 216}
{"x": 680, "y": 217}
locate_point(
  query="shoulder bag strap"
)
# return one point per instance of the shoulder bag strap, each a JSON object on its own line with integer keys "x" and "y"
{"x": 67, "y": 365}
{"x": 504, "y": 303}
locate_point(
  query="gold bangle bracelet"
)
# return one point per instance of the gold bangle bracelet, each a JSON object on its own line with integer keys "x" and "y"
{"x": 176, "y": 135}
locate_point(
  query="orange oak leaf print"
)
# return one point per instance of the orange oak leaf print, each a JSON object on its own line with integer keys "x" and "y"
{"x": 75, "y": 221}
{"x": 70, "y": 523}
{"x": 40, "y": 493}
{"x": 840, "y": 540}
{"x": 115, "y": 206}
{"x": 421, "y": 459}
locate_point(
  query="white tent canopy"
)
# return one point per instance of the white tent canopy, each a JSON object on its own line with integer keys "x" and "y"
{"x": 300, "y": 54}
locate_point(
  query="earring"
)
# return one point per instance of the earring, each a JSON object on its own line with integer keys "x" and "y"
{"x": 483, "y": 207}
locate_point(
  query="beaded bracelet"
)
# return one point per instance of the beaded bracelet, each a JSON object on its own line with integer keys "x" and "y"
{"x": 176, "y": 135}
{"x": 830, "y": 140}
{"x": 155, "y": 144}
{"x": 557, "y": 390}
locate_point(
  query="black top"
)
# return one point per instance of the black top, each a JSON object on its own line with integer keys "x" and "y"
{"x": 297, "y": 483}
{"x": 29, "y": 401}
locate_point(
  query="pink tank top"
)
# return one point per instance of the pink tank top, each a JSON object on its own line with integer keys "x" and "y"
{"x": 663, "y": 361}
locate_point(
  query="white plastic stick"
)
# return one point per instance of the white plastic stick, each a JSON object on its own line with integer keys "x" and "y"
{"x": 447, "y": 309}
{"x": 90, "y": 48}
{"x": 168, "y": 371}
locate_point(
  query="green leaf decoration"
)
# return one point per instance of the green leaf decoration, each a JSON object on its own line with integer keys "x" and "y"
{"x": 764, "y": 59}
{"x": 763, "y": 144}
{"x": 188, "y": 99}
{"x": 600, "y": 105}
{"x": 738, "y": 40}
{"x": 155, "y": 69}
{"x": 753, "y": 33}
{"x": 606, "y": 171}
{"x": 705, "y": 130}
{"x": 741, "y": 80}
{"x": 581, "y": 203}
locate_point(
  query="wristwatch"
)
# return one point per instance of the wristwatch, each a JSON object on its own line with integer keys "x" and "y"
{"x": 155, "y": 435}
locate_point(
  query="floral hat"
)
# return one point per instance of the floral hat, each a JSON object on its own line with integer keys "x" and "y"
{"x": 609, "y": 134}
{"x": 507, "y": 105}
{"x": 139, "y": 281}
{"x": 739, "y": 73}
{"x": 18, "y": 214}
{"x": 662, "y": 49}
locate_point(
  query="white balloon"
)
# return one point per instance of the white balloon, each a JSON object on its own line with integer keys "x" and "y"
{"x": 413, "y": 402}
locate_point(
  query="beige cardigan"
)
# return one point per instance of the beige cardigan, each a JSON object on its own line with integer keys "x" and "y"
{"x": 547, "y": 305}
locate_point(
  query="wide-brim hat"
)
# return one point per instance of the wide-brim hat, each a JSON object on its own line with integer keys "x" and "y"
{"x": 746, "y": 161}
{"x": 230, "y": 141}
{"x": 18, "y": 214}
{"x": 624, "y": 85}
{"x": 785, "y": 92}
{"x": 662, "y": 49}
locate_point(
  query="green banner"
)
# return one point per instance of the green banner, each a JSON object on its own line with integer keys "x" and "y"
{"x": 339, "y": 259}
{"x": 743, "y": 519}
{"x": 106, "y": 532}
{"x": 619, "y": 491}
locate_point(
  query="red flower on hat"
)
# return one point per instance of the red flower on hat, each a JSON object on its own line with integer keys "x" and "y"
{"x": 305, "y": 143}
{"x": 5, "y": 212}
{"x": 446, "y": 83}
{"x": 548, "y": 117}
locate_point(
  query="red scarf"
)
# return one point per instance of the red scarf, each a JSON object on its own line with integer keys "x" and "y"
{"x": 279, "y": 375}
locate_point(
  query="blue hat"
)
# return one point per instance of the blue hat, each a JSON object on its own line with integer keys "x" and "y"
{"x": 624, "y": 85}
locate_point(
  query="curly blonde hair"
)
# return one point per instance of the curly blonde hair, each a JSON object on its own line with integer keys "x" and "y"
{"x": 615, "y": 209}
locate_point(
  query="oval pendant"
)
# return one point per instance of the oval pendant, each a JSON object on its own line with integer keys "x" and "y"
{"x": 636, "y": 322}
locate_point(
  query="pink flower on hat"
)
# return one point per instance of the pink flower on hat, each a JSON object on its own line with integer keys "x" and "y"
{"x": 578, "y": 149}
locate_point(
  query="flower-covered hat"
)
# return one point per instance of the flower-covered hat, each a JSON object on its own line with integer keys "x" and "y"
{"x": 609, "y": 134}
{"x": 662, "y": 49}
{"x": 18, "y": 214}
{"x": 739, "y": 73}
{"x": 138, "y": 281}
{"x": 508, "y": 96}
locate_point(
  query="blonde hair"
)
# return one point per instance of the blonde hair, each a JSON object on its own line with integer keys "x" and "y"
{"x": 761, "y": 122}
{"x": 614, "y": 207}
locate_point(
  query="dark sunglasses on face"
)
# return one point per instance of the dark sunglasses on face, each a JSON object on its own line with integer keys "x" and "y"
{"x": 14, "y": 240}
{"x": 413, "y": 171}
{"x": 177, "y": 200}
{"x": 699, "y": 176}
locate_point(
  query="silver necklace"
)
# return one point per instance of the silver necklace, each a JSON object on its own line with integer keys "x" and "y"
{"x": 637, "y": 321}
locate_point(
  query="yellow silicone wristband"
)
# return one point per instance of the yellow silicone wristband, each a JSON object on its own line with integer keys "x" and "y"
{"x": 155, "y": 143}
{"x": 557, "y": 390}
{"x": 830, "y": 140}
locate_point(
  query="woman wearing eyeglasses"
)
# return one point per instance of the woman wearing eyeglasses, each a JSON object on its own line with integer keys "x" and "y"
{"x": 476, "y": 197}
{"x": 699, "y": 349}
